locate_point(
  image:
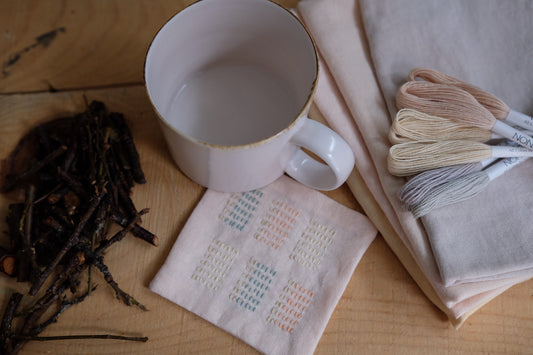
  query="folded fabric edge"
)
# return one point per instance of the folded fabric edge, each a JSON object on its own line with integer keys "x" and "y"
{"x": 513, "y": 276}
{"x": 360, "y": 191}
{"x": 374, "y": 213}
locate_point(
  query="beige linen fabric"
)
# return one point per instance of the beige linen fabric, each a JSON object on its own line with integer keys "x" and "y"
{"x": 486, "y": 237}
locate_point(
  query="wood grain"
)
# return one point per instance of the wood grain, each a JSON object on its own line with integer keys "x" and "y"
{"x": 97, "y": 43}
{"x": 102, "y": 47}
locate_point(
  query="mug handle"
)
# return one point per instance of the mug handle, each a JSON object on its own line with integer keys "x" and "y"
{"x": 327, "y": 145}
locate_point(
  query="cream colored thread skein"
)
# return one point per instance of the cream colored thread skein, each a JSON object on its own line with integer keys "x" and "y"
{"x": 414, "y": 190}
{"x": 410, "y": 158}
{"x": 456, "y": 104}
{"x": 499, "y": 109}
{"x": 411, "y": 125}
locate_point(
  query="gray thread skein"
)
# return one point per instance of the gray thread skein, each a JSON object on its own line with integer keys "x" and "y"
{"x": 416, "y": 188}
{"x": 456, "y": 190}
{"x": 450, "y": 192}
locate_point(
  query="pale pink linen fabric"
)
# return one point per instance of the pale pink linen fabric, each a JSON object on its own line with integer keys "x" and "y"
{"x": 337, "y": 29}
{"x": 267, "y": 266}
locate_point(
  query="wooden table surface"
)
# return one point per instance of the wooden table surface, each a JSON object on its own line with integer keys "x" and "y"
{"x": 52, "y": 53}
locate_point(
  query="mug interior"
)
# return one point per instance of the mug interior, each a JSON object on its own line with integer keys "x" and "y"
{"x": 231, "y": 72}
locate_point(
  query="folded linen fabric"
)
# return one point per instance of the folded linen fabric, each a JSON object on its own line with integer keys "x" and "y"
{"x": 486, "y": 237}
{"x": 338, "y": 31}
{"x": 267, "y": 266}
{"x": 331, "y": 105}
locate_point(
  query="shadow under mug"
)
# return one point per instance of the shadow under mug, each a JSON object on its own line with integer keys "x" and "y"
{"x": 232, "y": 82}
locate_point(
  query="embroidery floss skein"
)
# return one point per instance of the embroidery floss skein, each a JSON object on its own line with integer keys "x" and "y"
{"x": 410, "y": 158}
{"x": 414, "y": 190}
{"x": 462, "y": 188}
{"x": 410, "y": 125}
{"x": 456, "y": 104}
{"x": 497, "y": 107}
{"x": 419, "y": 185}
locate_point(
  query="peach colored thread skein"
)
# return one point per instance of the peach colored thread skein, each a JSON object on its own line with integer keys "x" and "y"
{"x": 456, "y": 104}
{"x": 497, "y": 107}
{"x": 444, "y": 101}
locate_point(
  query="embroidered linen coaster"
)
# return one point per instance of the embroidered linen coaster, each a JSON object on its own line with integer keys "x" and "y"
{"x": 268, "y": 265}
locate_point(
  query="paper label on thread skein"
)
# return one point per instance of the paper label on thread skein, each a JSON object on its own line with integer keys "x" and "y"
{"x": 487, "y": 162}
{"x": 508, "y": 151}
{"x": 513, "y": 134}
{"x": 519, "y": 119}
{"x": 503, "y": 166}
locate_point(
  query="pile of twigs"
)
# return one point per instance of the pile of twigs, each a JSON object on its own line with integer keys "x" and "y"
{"x": 77, "y": 174}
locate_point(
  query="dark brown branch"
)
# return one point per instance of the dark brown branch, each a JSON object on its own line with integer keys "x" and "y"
{"x": 59, "y": 285}
{"x": 65, "y": 304}
{"x": 28, "y": 174}
{"x": 82, "y": 336}
{"x": 13, "y": 219}
{"x": 37, "y": 311}
{"x": 57, "y": 194}
{"x": 7, "y": 320}
{"x": 73, "y": 239}
{"x": 26, "y": 261}
{"x": 28, "y": 220}
{"x": 125, "y": 200}
{"x": 120, "y": 234}
{"x": 74, "y": 262}
{"x": 69, "y": 158}
{"x": 137, "y": 230}
{"x": 100, "y": 220}
{"x": 75, "y": 185}
{"x": 46, "y": 195}
{"x": 127, "y": 139}
{"x": 53, "y": 223}
{"x": 126, "y": 175}
{"x": 121, "y": 295}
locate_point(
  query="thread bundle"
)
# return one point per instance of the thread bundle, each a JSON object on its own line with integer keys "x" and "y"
{"x": 462, "y": 187}
{"x": 441, "y": 138}
{"x": 412, "y": 125}
{"x": 416, "y": 188}
{"x": 499, "y": 109}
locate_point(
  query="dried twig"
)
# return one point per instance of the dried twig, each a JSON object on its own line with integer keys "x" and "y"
{"x": 85, "y": 168}
{"x": 82, "y": 336}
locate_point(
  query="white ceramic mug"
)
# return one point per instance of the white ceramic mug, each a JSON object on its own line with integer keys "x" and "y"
{"x": 232, "y": 82}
